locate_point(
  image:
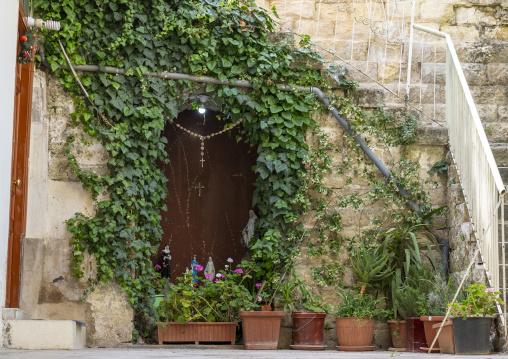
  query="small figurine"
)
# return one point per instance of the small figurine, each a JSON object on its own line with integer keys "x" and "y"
{"x": 166, "y": 261}
{"x": 210, "y": 268}
{"x": 194, "y": 264}
{"x": 248, "y": 231}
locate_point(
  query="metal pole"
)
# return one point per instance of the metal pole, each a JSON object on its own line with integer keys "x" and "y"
{"x": 410, "y": 54}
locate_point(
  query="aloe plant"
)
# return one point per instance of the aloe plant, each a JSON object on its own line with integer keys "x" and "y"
{"x": 371, "y": 266}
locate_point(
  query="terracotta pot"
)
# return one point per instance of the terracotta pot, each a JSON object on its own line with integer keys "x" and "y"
{"x": 261, "y": 329}
{"x": 175, "y": 332}
{"x": 415, "y": 335}
{"x": 308, "y": 329}
{"x": 446, "y": 339}
{"x": 355, "y": 334}
{"x": 430, "y": 332}
{"x": 399, "y": 335}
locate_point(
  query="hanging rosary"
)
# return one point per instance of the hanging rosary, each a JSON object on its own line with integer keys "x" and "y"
{"x": 203, "y": 138}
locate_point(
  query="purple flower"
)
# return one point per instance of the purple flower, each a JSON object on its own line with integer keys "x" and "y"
{"x": 157, "y": 267}
{"x": 208, "y": 276}
{"x": 199, "y": 267}
{"x": 259, "y": 285}
{"x": 154, "y": 277}
{"x": 217, "y": 281}
{"x": 239, "y": 270}
{"x": 163, "y": 262}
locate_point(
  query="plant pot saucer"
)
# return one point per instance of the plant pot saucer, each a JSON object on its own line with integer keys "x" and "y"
{"x": 434, "y": 350}
{"x": 307, "y": 347}
{"x": 393, "y": 349}
{"x": 362, "y": 348}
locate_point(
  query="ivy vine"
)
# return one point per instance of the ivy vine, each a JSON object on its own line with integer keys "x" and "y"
{"x": 230, "y": 40}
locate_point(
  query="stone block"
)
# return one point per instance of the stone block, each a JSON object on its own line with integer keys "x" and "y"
{"x": 487, "y": 113}
{"x": 476, "y": 74}
{"x": 433, "y": 136}
{"x": 362, "y": 72}
{"x": 466, "y": 16}
{"x": 489, "y": 94}
{"x": 461, "y": 33}
{"x": 112, "y": 316}
{"x": 497, "y": 132}
{"x": 502, "y": 113}
{"x": 498, "y": 73}
{"x": 500, "y": 152}
{"x": 32, "y": 263}
{"x": 285, "y": 338}
{"x": 495, "y": 33}
{"x": 436, "y": 11}
{"x": 321, "y": 30}
{"x": 45, "y": 334}
{"x": 427, "y": 94}
{"x": 65, "y": 199}
{"x": 295, "y": 8}
{"x": 434, "y": 73}
{"x": 432, "y": 115}
{"x": 370, "y": 97}
{"x": 382, "y": 335}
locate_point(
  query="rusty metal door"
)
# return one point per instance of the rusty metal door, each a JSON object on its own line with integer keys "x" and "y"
{"x": 19, "y": 170}
{"x": 208, "y": 202}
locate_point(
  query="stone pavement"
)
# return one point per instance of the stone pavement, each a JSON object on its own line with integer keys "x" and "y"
{"x": 167, "y": 351}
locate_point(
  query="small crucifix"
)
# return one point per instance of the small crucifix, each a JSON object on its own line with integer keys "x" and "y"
{"x": 199, "y": 187}
{"x": 202, "y": 160}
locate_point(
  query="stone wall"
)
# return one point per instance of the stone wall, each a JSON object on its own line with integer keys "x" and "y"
{"x": 48, "y": 289}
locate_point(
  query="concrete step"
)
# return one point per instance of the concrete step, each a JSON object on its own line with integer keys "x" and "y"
{"x": 44, "y": 334}
{"x": 15, "y": 314}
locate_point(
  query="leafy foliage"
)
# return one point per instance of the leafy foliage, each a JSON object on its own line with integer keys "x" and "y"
{"x": 360, "y": 306}
{"x": 480, "y": 301}
{"x": 229, "y": 40}
{"x": 210, "y": 300}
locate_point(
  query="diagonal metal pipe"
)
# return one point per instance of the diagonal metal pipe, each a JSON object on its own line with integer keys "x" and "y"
{"x": 445, "y": 247}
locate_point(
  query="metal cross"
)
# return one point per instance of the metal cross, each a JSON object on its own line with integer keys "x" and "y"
{"x": 202, "y": 160}
{"x": 199, "y": 187}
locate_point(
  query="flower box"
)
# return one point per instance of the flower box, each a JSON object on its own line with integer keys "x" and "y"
{"x": 215, "y": 332}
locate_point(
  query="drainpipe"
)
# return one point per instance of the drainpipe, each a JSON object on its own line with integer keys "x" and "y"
{"x": 445, "y": 247}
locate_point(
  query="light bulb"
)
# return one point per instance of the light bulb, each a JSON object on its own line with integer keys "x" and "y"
{"x": 202, "y": 110}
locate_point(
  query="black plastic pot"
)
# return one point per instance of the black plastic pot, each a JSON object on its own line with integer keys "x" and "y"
{"x": 472, "y": 335}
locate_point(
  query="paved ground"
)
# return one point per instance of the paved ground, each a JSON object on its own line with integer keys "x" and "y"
{"x": 205, "y": 353}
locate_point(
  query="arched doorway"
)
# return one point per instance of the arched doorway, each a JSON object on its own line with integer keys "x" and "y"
{"x": 209, "y": 197}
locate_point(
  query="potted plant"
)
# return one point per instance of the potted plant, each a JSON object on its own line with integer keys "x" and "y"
{"x": 440, "y": 295}
{"x": 355, "y": 320}
{"x": 468, "y": 332}
{"x": 308, "y": 314}
{"x": 207, "y": 311}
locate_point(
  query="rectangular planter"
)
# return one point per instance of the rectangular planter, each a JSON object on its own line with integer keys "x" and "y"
{"x": 472, "y": 335}
{"x": 174, "y": 332}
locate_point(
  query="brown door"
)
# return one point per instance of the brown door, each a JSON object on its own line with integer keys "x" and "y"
{"x": 208, "y": 202}
{"x": 19, "y": 170}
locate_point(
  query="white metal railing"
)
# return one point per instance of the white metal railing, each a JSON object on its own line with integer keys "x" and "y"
{"x": 479, "y": 176}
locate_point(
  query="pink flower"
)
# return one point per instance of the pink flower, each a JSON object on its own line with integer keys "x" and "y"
{"x": 259, "y": 285}
{"x": 157, "y": 266}
{"x": 217, "y": 281}
{"x": 199, "y": 267}
{"x": 239, "y": 270}
{"x": 208, "y": 276}
{"x": 154, "y": 277}
{"x": 259, "y": 298}
{"x": 489, "y": 290}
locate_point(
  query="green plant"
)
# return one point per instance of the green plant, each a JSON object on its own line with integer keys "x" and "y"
{"x": 371, "y": 265}
{"x": 296, "y": 296}
{"x": 439, "y": 167}
{"x": 219, "y": 300}
{"x": 410, "y": 298}
{"x": 480, "y": 301}
{"x": 360, "y": 306}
